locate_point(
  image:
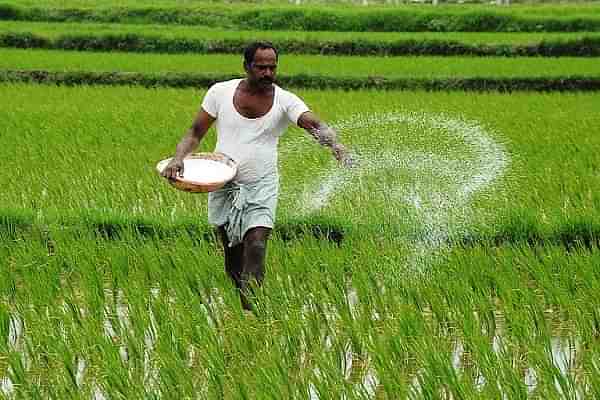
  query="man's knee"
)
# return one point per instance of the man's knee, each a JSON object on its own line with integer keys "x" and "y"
{"x": 257, "y": 236}
{"x": 255, "y": 246}
{"x": 255, "y": 249}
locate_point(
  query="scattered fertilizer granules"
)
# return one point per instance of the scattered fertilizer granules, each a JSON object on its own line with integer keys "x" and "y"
{"x": 200, "y": 170}
{"x": 437, "y": 186}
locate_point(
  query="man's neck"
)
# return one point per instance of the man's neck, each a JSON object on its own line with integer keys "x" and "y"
{"x": 256, "y": 89}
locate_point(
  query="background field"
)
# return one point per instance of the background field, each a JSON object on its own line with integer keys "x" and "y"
{"x": 388, "y": 67}
{"x": 457, "y": 258}
{"x": 339, "y": 17}
{"x": 54, "y": 30}
{"x": 536, "y": 6}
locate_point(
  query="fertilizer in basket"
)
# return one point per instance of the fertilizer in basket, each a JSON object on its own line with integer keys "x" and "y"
{"x": 205, "y": 171}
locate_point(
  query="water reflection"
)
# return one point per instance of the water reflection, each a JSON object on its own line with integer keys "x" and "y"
{"x": 564, "y": 353}
{"x": 564, "y": 356}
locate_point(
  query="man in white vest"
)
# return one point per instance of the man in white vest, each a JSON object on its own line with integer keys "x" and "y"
{"x": 250, "y": 114}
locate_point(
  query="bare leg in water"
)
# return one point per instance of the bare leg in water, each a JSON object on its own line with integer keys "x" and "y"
{"x": 245, "y": 263}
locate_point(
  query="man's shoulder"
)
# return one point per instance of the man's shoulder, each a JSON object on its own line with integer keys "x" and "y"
{"x": 286, "y": 94}
{"x": 225, "y": 84}
{"x": 282, "y": 90}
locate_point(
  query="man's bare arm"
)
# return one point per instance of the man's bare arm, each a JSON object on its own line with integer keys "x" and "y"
{"x": 324, "y": 134}
{"x": 188, "y": 143}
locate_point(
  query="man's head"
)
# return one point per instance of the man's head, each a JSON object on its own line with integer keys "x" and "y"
{"x": 260, "y": 63}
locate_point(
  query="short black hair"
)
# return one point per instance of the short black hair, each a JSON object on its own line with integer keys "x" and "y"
{"x": 251, "y": 51}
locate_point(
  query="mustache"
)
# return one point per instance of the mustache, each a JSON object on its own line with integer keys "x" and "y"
{"x": 267, "y": 80}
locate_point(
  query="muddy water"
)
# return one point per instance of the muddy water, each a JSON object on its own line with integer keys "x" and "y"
{"x": 565, "y": 351}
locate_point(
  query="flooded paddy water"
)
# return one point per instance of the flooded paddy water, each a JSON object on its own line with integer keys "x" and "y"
{"x": 563, "y": 351}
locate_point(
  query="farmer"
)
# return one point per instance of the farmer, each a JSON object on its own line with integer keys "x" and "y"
{"x": 251, "y": 114}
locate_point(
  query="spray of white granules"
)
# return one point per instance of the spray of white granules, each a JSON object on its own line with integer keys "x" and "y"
{"x": 439, "y": 187}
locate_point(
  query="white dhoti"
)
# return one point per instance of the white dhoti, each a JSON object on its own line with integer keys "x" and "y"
{"x": 240, "y": 207}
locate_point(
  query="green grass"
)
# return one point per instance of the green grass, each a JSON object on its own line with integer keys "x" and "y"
{"x": 444, "y": 285}
{"x": 92, "y": 150}
{"x": 339, "y": 17}
{"x": 577, "y": 7}
{"x": 55, "y": 30}
{"x": 388, "y": 301}
{"x": 485, "y": 312}
{"x": 334, "y": 66}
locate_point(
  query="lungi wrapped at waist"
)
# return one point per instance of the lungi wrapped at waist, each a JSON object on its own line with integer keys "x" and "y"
{"x": 240, "y": 207}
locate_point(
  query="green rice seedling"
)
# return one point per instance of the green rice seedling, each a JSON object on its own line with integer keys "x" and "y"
{"x": 427, "y": 293}
{"x": 550, "y": 7}
{"x": 538, "y": 338}
{"x": 544, "y": 8}
{"x": 170, "y": 31}
{"x": 292, "y": 65}
{"x": 337, "y": 16}
{"x": 155, "y": 201}
{"x": 403, "y": 336}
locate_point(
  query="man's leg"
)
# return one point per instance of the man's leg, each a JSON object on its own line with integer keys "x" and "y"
{"x": 233, "y": 258}
{"x": 254, "y": 252}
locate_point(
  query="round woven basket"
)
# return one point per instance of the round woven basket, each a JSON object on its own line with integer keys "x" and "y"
{"x": 200, "y": 187}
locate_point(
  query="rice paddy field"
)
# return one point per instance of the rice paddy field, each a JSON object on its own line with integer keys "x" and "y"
{"x": 57, "y": 30}
{"x": 334, "y": 66}
{"x": 456, "y": 259}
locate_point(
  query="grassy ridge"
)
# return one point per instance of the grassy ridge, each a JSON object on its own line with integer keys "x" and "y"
{"x": 544, "y": 7}
{"x": 319, "y": 19}
{"x": 571, "y": 83}
{"x": 430, "y": 73}
{"x": 583, "y": 47}
{"x": 55, "y": 30}
{"x": 331, "y": 66}
{"x": 22, "y": 225}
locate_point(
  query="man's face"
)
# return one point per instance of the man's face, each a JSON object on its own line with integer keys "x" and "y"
{"x": 263, "y": 69}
